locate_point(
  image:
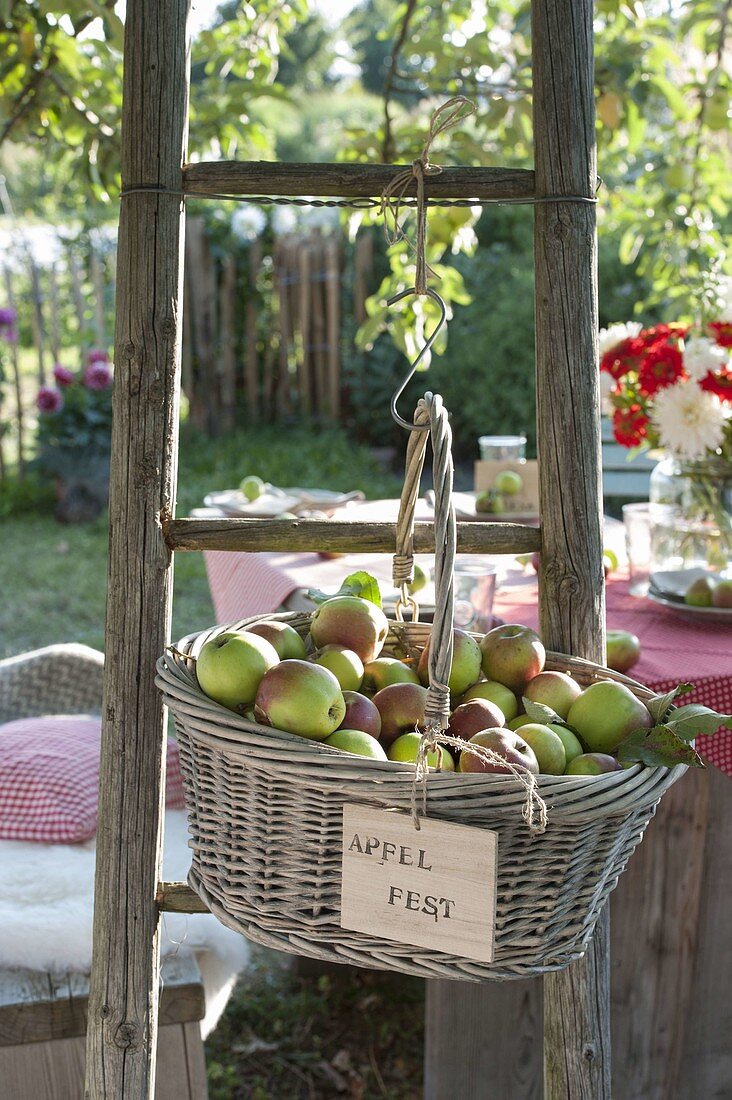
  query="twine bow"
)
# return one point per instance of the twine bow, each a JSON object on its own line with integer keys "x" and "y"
{"x": 445, "y": 117}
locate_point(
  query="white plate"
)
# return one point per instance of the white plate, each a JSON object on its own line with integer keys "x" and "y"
{"x": 269, "y": 504}
{"x": 686, "y": 611}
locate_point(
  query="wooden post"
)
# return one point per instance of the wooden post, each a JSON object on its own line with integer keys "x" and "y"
{"x": 332, "y": 302}
{"x": 227, "y": 313}
{"x": 19, "y": 410}
{"x": 251, "y": 362}
{"x": 39, "y": 336}
{"x": 305, "y": 366}
{"x": 97, "y": 277}
{"x": 55, "y": 334}
{"x": 78, "y": 296}
{"x": 123, "y": 1001}
{"x": 571, "y": 588}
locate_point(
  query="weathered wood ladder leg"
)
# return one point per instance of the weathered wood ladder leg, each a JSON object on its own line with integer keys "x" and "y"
{"x": 124, "y": 988}
{"x": 122, "y": 1029}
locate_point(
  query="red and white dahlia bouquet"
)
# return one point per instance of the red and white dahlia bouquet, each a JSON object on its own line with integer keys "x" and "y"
{"x": 670, "y": 386}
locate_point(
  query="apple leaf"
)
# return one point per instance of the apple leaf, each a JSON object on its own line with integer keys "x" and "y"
{"x": 359, "y": 583}
{"x": 658, "y": 747}
{"x": 693, "y": 719}
{"x": 661, "y": 704}
{"x": 539, "y": 712}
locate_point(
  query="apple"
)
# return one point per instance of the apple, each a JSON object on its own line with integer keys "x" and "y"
{"x": 512, "y": 655}
{"x": 383, "y": 671}
{"x": 623, "y": 650}
{"x": 419, "y": 580}
{"x": 605, "y": 713}
{"x": 474, "y": 716}
{"x": 357, "y": 742}
{"x": 700, "y": 592}
{"x": 496, "y": 693}
{"x": 548, "y": 747}
{"x": 553, "y": 689}
{"x": 509, "y": 482}
{"x": 302, "y": 698}
{"x": 361, "y": 714}
{"x": 406, "y": 747}
{"x": 352, "y": 622}
{"x": 282, "y": 636}
{"x": 572, "y": 744}
{"x": 593, "y": 763}
{"x": 504, "y": 743}
{"x": 251, "y": 486}
{"x": 722, "y": 594}
{"x": 346, "y": 666}
{"x": 465, "y": 668}
{"x": 401, "y": 707}
{"x": 231, "y": 665}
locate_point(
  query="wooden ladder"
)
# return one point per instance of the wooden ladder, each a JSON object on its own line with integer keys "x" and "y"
{"x": 129, "y": 897}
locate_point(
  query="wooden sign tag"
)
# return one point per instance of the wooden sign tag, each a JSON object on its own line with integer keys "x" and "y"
{"x": 431, "y": 887}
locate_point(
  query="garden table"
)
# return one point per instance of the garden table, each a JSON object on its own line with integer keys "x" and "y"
{"x": 673, "y": 649}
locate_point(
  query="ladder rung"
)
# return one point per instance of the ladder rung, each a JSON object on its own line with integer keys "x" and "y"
{"x": 341, "y": 537}
{"x": 177, "y": 897}
{"x": 234, "y": 177}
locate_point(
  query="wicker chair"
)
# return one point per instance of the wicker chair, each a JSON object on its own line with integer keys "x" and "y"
{"x": 43, "y": 1016}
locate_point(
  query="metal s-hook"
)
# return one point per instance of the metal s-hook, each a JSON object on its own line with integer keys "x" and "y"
{"x": 423, "y": 351}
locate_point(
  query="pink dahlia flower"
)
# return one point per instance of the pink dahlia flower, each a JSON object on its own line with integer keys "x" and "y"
{"x": 97, "y": 376}
{"x": 49, "y": 401}
{"x": 62, "y": 374}
{"x": 97, "y": 355}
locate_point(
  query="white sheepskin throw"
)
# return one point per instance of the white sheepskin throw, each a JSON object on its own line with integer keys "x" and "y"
{"x": 46, "y": 901}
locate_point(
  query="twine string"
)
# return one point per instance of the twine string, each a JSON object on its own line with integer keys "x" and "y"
{"x": 534, "y": 810}
{"x": 393, "y": 199}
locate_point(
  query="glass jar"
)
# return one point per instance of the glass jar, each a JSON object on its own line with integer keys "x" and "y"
{"x": 502, "y": 448}
{"x": 691, "y": 515}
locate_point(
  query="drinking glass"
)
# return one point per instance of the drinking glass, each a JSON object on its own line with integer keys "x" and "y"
{"x": 637, "y": 520}
{"x": 475, "y": 588}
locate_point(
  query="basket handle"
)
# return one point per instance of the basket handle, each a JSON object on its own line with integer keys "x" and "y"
{"x": 430, "y": 411}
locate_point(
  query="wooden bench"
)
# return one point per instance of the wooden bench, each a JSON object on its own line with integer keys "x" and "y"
{"x": 43, "y": 1033}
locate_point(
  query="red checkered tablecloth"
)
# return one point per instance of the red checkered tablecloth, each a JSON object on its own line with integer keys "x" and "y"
{"x": 673, "y": 649}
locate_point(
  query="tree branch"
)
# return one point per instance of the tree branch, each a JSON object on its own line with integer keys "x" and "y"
{"x": 388, "y": 151}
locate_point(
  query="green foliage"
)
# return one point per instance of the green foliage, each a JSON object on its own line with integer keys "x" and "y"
{"x": 76, "y": 439}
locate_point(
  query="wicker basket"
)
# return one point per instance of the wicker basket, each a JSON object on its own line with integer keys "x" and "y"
{"x": 266, "y": 807}
{"x": 251, "y": 791}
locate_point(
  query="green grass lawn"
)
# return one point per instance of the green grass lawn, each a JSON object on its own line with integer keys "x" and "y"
{"x": 53, "y": 577}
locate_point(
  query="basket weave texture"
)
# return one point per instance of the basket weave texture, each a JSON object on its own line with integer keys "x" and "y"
{"x": 266, "y": 817}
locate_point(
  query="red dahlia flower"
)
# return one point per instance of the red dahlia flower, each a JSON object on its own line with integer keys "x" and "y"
{"x": 630, "y": 426}
{"x": 719, "y": 383}
{"x": 722, "y": 333}
{"x": 624, "y": 357}
{"x": 661, "y": 367}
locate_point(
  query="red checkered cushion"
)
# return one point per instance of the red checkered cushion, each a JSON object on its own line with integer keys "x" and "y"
{"x": 49, "y": 774}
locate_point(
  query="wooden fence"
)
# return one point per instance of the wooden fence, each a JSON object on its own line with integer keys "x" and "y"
{"x": 268, "y": 329}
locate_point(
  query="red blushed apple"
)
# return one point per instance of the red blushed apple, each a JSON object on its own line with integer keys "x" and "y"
{"x": 361, "y": 714}
{"x": 512, "y": 655}
{"x": 553, "y": 689}
{"x": 605, "y": 713}
{"x": 474, "y": 717}
{"x": 722, "y": 594}
{"x": 302, "y": 698}
{"x": 286, "y": 641}
{"x": 401, "y": 707}
{"x": 623, "y": 650}
{"x": 512, "y": 748}
{"x": 465, "y": 668}
{"x": 351, "y": 622}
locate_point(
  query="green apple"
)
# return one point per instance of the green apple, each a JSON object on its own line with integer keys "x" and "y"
{"x": 553, "y": 689}
{"x": 352, "y": 622}
{"x": 509, "y": 482}
{"x": 496, "y": 693}
{"x": 465, "y": 667}
{"x": 383, "y": 671}
{"x": 346, "y": 666}
{"x": 406, "y": 747}
{"x": 231, "y": 666}
{"x": 418, "y": 581}
{"x": 572, "y": 745}
{"x": 512, "y": 655}
{"x": 302, "y": 698}
{"x": 251, "y": 486}
{"x": 357, "y": 742}
{"x": 605, "y": 713}
{"x": 623, "y": 650}
{"x": 548, "y": 747}
{"x": 282, "y": 636}
{"x": 593, "y": 763}
{"x": 700, "y": 593}
{"x": 504, "y": 743}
